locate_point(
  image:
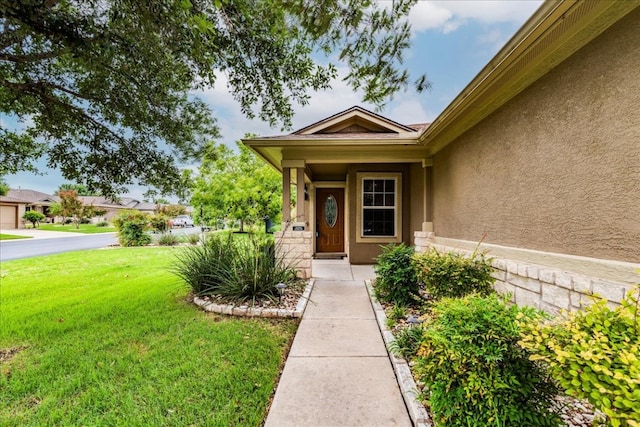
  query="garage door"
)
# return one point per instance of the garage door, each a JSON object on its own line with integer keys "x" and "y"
{"x": 8, "y": 216}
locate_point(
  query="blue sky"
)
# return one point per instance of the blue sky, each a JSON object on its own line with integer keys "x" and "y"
{"x": 452, "y": 41}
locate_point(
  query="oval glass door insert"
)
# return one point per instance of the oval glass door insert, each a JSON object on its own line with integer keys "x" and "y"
{"x": 330, "y": 211}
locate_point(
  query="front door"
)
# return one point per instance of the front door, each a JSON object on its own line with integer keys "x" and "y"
{"x": 330, "y": 220}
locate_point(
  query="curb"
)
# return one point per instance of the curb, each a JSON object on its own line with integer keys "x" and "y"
{"x": 246, "y": 311}
{"x": 408, "y": 389}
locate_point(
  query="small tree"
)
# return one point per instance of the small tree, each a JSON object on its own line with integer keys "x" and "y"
{"x": 34, "y": 217}
{"x": 71, "y": 206}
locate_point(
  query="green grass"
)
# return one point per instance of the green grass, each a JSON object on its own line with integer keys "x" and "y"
{"x": 84, "y": 228}
{"x": 12, "y": 237}
{"x": 110, "y": 340}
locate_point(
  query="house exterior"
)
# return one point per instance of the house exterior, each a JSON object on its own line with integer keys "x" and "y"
{"x": 538, "y": 158}
{"x": 11, "y": 212}
{"x": 18, "y": 201}
{"x": 113, "y": 207}
{"x": 33, "y": 201}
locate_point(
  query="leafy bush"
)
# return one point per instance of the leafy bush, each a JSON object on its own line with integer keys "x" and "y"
{"x": 595, "y": 355}
{"x": 102, "y": 224}
{"x": 132, "y": 228}
{"x": 474, "y": 372}
{"x": 34, "y": 217}
{"x": 407, "y": 342}
{"x": 453, "y": 275}
{"x": 159, "y": 222}
{"x": 396, "y": 280}
{"x": 239, "y": 270}
{"x": 168, "y": 239}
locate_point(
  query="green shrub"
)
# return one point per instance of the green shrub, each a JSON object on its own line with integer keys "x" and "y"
{"x": 396, "y": 280}
{"x": 453, "y": 275}
{"x": 159, "y": 222}
{"x": 34, "y": 217}
{"x": 595, "y": 355}
{"x": 168, "y": 239}
{"x": 193, "y": 239}
{"x": 474, "y": 372}
{"x": 102, "y": 224}
{"x": 407, "y": 342}
{"x": 132, "y": 228}
{"x": 238, "y": 270}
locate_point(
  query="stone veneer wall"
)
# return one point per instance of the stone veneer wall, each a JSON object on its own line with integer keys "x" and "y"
{"x": 546, "y": 288}
{"x": 295, "y": 248}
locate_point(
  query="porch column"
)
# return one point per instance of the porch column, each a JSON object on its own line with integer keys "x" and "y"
{"x": 286, "y": 195}
{"x": 423, "y": 238}
{"x": 427, "y": 211}
{"x": 300, "y": 217}
{"x": 294, "y": 242}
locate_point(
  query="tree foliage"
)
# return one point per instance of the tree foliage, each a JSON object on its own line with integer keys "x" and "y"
{"x": 34, "y": 217}
{"x": 4, "y": 187}
{"x": 80, "y": 189}
{"x": 72, "y": 207}
{"x": 106, "y": 88}
{"x": 236, "y": 185}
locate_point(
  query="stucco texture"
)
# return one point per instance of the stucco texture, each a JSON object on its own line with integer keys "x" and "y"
{"x": 558, "y": 167}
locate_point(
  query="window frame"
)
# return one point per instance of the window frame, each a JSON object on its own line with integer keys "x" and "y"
{"x": 397, "y": 208}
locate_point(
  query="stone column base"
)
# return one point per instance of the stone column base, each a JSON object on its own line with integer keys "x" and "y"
{"x": 295, "y": 249}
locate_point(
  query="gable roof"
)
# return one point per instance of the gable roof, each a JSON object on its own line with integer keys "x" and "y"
{"x": 32, "y": 196}
{"x": 354, "y": 120}
{"x": 8, "y": 199}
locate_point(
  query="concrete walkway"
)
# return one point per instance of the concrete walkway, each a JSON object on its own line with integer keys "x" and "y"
{"x": 338, "y": 372}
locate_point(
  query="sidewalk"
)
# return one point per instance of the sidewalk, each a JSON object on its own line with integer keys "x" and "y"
{"x": 338, "y": 373}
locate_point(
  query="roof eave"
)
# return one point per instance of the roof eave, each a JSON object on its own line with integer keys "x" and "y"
{"x": 554, "y": 32}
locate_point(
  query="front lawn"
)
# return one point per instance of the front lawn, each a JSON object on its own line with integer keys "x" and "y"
{"x": 106, "y": 337}
{"x": 84, "y": 228}
{"x": 12, "y": 237}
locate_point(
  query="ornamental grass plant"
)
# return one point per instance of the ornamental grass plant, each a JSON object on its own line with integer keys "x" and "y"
{"x": 240, "y": 270}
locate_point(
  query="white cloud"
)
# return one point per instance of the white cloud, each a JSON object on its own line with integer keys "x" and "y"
{"x": 448, "y": 16}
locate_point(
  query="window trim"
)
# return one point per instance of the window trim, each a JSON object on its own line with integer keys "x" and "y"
{"x": 360, "y": 237}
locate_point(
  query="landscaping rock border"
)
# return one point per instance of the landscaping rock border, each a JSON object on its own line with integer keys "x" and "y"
{"x": 247, "y": 311}
{"x": 417, "y": 411}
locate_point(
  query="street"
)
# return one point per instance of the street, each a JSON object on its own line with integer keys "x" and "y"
{"x": 16, "y": 249}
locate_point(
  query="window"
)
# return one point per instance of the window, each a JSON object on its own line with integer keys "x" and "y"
{"x": 378, "y": 207}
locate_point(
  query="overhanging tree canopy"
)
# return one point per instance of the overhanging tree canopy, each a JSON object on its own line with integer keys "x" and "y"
{"x": 105, "y": 84}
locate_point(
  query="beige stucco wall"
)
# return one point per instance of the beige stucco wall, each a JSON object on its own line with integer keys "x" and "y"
{"x": 558, "y": 167}
{"x": 365, "y": 253}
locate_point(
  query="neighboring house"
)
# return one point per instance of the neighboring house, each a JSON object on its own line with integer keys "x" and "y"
{"x": 538, "y": 157}
{"x": 35, "y": 201}
{"x": 11, "y": 212}
{"x": 17, "y": 202}
{"x": 113, "y": 208}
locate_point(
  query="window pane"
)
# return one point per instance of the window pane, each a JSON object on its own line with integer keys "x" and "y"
{"x": 390, "y": 186}
{"x": 389, "y": 200}
{"x": 368, "y": 199}
{"x": 378, "y": 222}
{"x": 378, "y": 200}
{"x": 368, "y": 185}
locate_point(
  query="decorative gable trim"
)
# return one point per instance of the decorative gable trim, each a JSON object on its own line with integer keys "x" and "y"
{"x": 354, "y": 120}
